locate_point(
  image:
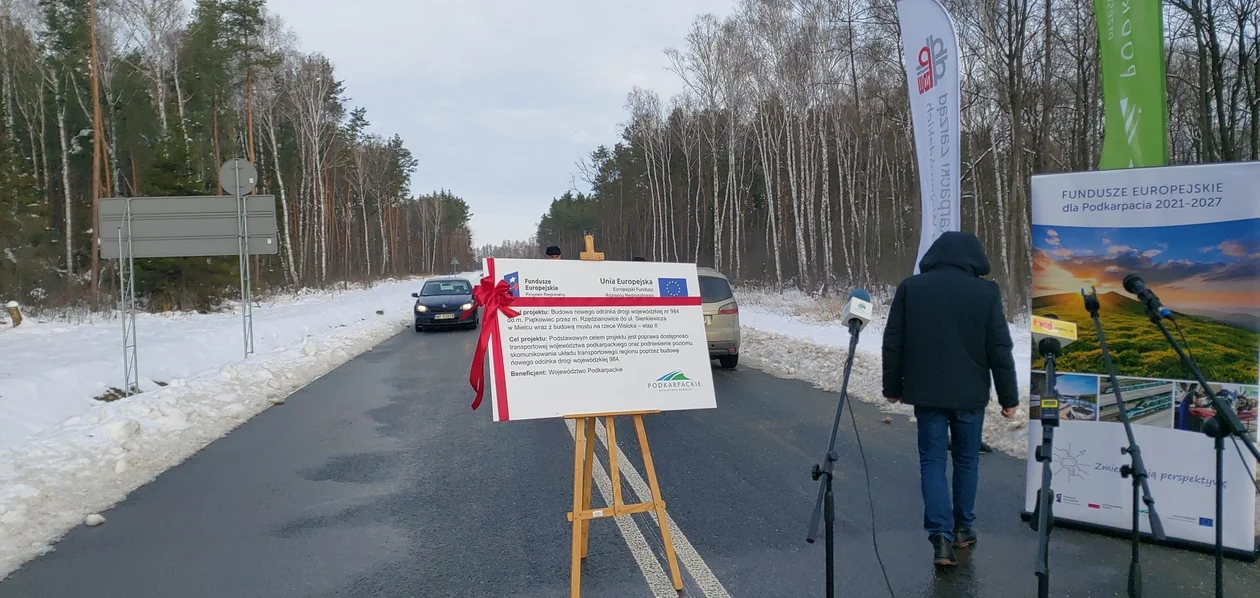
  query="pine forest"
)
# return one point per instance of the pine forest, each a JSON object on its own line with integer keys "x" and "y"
{"x": 135, "y": 98}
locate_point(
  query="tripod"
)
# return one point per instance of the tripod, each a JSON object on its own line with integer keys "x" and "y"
{"x": 1043, "y": 516}
{"x": 1136, "y": 469}
{"x": 1224, "y": 423}
{"x": 826, "y": 503}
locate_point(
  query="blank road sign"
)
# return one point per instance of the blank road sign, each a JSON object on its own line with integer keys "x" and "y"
{"x": 190, "y": 226}
{"x": 237, "y": 177}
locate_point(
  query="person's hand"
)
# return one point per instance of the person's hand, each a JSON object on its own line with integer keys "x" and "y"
{"x": 1009, "y": 412}
{"x": 893, "y": 399}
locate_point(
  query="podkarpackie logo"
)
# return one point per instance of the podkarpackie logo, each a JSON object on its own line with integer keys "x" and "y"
{"x": 932, "y": 63}
{"x": 675, "y": 380}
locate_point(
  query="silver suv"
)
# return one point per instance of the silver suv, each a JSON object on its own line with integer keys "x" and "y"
{"x": 721, "y": 317}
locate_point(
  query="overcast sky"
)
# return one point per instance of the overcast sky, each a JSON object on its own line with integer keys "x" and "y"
{"x": 497, "y": 99}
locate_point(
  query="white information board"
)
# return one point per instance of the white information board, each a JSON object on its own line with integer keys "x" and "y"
{"x": 597, "y": 337}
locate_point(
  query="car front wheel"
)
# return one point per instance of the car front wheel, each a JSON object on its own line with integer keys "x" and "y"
{"x": 728, "y": 362}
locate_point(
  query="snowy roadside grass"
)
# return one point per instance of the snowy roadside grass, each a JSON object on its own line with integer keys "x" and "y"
{"x": 53, "y": 480}
{"x": 52, "y": 369}
{"x": 815, "y": 308}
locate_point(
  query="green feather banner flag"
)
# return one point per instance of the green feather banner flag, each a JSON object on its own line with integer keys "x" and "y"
{"x": 1131, "y": 44}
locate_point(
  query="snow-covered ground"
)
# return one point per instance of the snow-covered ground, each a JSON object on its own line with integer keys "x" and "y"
{"x": 793, "y": 335}
{"x": 65, "y": 455}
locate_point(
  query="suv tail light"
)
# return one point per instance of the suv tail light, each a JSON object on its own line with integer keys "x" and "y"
{"x": 729, "y": 309}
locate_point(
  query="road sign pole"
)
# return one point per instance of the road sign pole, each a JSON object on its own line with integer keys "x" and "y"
{"x": 240, "y": 241}
{"x": 127, "y": 303}
{"x": 246, "y": 278}
{"x": 123, "y": 310}
{"x": 242, "y": 177}
{"x": 131, "y": 300}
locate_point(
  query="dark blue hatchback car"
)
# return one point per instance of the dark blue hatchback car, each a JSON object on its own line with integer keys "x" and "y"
{"x": 442, "y": 302}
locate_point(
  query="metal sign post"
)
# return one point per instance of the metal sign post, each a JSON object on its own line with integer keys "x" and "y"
{"x": 127, "y": 297}
{"x": 190, "y": 226}
{"x": 454, "y": 265}
{"x": 238, "y": 178}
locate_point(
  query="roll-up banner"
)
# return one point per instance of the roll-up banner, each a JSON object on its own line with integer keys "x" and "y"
{"x": 1193, "y": 234}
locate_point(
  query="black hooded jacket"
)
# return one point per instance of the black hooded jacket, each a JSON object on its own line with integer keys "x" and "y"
{"x": 947, "y": 332}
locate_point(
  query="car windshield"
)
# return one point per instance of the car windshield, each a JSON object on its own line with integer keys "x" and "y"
{"x": 446, "y": 287}
{"x": 713, "y": 289}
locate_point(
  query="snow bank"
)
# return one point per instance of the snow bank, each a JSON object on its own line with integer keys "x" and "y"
{"x": 85, "y": 455}
{"x": 53, "y": 370}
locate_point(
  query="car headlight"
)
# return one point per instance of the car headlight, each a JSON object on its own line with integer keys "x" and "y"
{"x": 466, "y": 307}
{"x": 420, "y": 308}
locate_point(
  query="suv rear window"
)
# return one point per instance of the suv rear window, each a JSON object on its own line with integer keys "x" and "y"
{"x": 713, "y": 289}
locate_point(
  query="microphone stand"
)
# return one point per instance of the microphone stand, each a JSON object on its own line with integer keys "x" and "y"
{"x": 1136, "y": 469}
{"x": 1223, "y": 424}
{"x": 826, "y": 503}
{"x": 1043, "y": 516}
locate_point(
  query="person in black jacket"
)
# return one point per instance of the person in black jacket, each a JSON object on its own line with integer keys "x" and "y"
{"x": 946, "y": 334}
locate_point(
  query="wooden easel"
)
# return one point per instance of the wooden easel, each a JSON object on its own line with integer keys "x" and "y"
{"x": 583, "y": 478}
{"x": 590, "y": 254}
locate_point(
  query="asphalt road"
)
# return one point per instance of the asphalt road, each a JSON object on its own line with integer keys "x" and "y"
{"x": 377, "y": 480}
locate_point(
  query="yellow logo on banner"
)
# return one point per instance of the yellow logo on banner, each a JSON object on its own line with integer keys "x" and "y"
{"x": 1052, "y": 327}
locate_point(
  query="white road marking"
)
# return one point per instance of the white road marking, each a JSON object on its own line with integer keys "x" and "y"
{"x": 687, "y": 555}
{"x": 657, "y": 580}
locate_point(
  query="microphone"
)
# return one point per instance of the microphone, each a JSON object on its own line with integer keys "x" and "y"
{"x": 1134, "y": 284}
{"x": 858, "y": 311}
{"x": 1052, "y": 335}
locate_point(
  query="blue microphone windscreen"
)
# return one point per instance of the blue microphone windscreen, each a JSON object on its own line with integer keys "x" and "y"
{"x": 861, "y": 294}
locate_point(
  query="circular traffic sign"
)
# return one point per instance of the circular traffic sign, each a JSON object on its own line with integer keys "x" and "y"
{"x": 237, "y": 176}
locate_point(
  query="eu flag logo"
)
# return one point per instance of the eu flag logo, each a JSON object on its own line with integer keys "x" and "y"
{"x": 513, "y": 281}
{"x": 672, "y": 287}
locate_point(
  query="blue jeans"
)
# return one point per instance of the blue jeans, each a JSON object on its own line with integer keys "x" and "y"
{"x": 962, "y": 430}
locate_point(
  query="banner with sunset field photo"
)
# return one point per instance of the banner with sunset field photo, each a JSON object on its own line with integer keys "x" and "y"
{"x": 1193, "y": 234}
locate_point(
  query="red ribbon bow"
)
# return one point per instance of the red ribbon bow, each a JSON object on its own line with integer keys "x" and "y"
{"x": 492, "y": 298}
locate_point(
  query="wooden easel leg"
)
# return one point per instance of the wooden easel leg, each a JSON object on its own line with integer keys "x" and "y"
{"x": 613, "y": 471}
{"x": 661, "y": 518}
{"x": 588, "y": 470}
{"x": 579, "y": 451}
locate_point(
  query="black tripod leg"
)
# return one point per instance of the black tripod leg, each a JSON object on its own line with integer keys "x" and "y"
{"x": 829, "y": 522}
{"x": 1219, "y": 443}
{"x": 1135, "y": 566}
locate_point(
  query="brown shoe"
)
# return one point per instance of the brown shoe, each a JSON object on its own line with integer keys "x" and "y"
{"x": 943, "y": 552}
